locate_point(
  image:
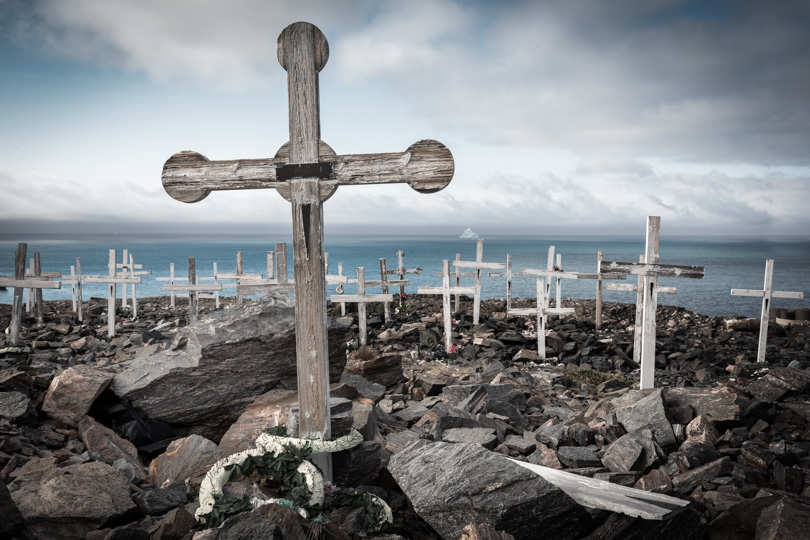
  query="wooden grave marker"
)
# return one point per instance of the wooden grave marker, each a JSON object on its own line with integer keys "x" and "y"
{"x": 551, "y": 272}
{"x": 384, "y": 283}
{"x": 639, "y": 290}
{"x": 651, "y": 270}
{"x": 306, "y": 172}
{"x": 111, "y": 279}
{"x": 34, "y": 300}
{"x": 478, "y": 265}
{"x": 75, "y": 282}
{"x": 340, "y": 290}
{"x": 540, "y": 312}
{"x": 446, "y": 290}
{"x": 401, "y": 272}
{"x": 458, "y": 274}
{"x": 766, "y": 294}
{"x": 131, "y": 269}
{"x": 177, "y": 280}
{"x": 599, "y": 277}
{"x": 193, "y": 288}
{"x": 362, "y": 300}
{"x": 20, "y": 282}
{"x": 509, "y": 275}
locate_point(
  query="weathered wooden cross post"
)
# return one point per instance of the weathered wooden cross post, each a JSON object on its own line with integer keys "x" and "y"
{"x": 306, "y": 172}
{"x": 384, "y": 283}
{"x": 509, "y": 275}
{"x": 111, "y": 279}
{"x": 361, "y": 299}
{"x": 458, "y": 274}
{"x": 478, "y": 265}
{"x": 446, "y": 290}
{"x": 541, "y": 312}
{"x": 194, "y": 288}
{"x": 20, "y": 282}
{"x": 766, "y": 293}
{"x": 599, "y": 277}
{"x": 551, "y": 272}
{"x": 401, "y": 271}
{"x": 651, "y": 270}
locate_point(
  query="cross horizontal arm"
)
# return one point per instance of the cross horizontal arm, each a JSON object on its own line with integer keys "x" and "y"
{"x": 193, "y": 288}
{"x": 363, "y": 298}
{"x": 440, "y": 290}
{"x": 30, "y": 283}
{"x": 239, "y": 276}
{"x": 110, "y": 279}
{"x": 427, "y": 166}
{"x": 391, "y": 283}
{"x": 634, "y": 288}
{"x": 601, "y": 276}
{"x": 549, "y": 273}
{"x": 657, "y": 270}
{"x": 760, "y": 294}
{"x": 476, "y": 264}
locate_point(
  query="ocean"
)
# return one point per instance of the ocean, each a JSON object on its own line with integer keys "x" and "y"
{"x": 729, "y": 263}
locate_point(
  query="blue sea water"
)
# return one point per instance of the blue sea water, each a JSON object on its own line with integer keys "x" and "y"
{"x": 729, "y": 263}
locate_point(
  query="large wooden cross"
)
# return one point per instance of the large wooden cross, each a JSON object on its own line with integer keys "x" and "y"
{"x": 306, "y": 172}
{"x": 766, "y": 294}
{"x": 651, "y": 270}
{"x": 20, "y": 282}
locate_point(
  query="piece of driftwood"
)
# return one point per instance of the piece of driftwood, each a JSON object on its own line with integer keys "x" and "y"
{"x": 306, "y": 173}
{"x": 603, "y": 495}
{"x": 766, "y": 294}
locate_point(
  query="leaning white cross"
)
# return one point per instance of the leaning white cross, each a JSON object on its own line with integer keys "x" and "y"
{"x": 446, "y": 290}
{"x": 111, "y": 279}
{"x": 651, "y": 270}
{"x": 639, "y": 290}
{"x": 306, "y": 172}
{"x": 766, "y": 294}
{"x": 362, "y": 299}
{"x": 19, "y": 282}
{"x": 541, "y": 311}
{"x": 478, "y": 265}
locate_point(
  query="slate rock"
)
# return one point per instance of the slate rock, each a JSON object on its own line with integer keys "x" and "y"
{"x": 786, "y": 519}
{"x": 453, "y": 485}
{"x": 740, "y": 520}
{"x": 175, "y": 525}
{"x": 73, "y": 391}
{"x": 266, "y": 411}
{"x": 156, "y": 502}
{"x": 371, "y": 390}
{"x": 357, "y": 466}
{"x": 103, "y": 441}
{"x": 231, "y": 357}
{"x": 578, "y": 457}
{"x": 12, "y": 520}
{"x": 647, "y": 411}
{"x": 17, "y": 408}
{"x": 545, "y": 456}
{"x": 701, "y": 430}
{"x": 778, "y": 382}
{"x": 384, "y": 370}
{"x": 183, "y": 458}
{"x": 485, "y": 437}
{"x": 719, "y": 404}
{"x": 247, "y": 525}
{"x": 482, "y": 531}
{"x": 705, "y": 473}
{"x": 682, "y": 524}
{"x": 70, "y": 501}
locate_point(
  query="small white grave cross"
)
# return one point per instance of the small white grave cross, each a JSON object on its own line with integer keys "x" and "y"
{"x": 384, "y": 283}
{"x": 550, "y": 272}
{"x": 766, "y": 294}
{"x": 509, "y": 275}
{"x": 458, "y": 274}
{"x": 20, "y": 282}
{"x": 639, "y": 290}
{"x": 599, "y": 277}
{"x": 651, "y": 270}
{"x": 401, "y": 271}
{"x": 306, "y": 172}
{"x": 446, "y": 290}
{"x": 193, "y": 287}
{"x": 361, "y": 299}
{"x": 541, "y": 311}
{"x": 111, "y": 280}
{"x": 478, "y": 264}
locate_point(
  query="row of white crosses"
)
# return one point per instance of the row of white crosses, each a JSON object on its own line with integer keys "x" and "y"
{"x": 306, "y": 172}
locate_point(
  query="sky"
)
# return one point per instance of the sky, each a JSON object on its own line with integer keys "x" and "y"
{"x": 564, "y": 118}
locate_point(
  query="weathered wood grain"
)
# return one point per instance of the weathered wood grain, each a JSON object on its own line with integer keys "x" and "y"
{"x": 654, "y": 269}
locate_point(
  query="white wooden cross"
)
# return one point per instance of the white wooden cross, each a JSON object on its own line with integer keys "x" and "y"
{"x": 111, "y": 279}
{"x": 766, "y": 294}
{"x": 509, "y": 275}
{"x": 599, "y": 277}
{"x": 35, "y": 294}
{"x": 20, "y": 282}
{"x": 651, "y": 270}
{"x": 362, "y": 299}
{"x": 458, "y": 274}
{"x": 131, "y": 269}
{"x": 551, "y": 272}
{"x": 193, "y": 287}
{"x": 340, "y": 290}
{"x": 176, "y": 280}
{"x": 541, "y": 311}
{"x": 639, "y": 290}
{"x": 478, "y": 265}
{"x": 75, "y": 282}
{"x": 401, "y": 271}
{"x": 446, "y": 290}
{"x": 306, "y": 172}
{"x": 384, "y": 283}
{"x": 276, "y": 283}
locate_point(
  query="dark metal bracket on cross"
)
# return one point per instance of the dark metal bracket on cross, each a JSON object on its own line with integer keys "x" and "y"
{"x": 306, "y": 172}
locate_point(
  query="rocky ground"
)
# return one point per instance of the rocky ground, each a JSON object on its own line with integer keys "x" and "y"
{"x": 111, "y": 438}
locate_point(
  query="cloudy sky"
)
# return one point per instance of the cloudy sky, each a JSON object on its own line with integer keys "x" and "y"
{"x": 576, "y": 117}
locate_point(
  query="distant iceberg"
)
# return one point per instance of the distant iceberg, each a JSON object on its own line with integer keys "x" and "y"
{"x": 468, "y": 233}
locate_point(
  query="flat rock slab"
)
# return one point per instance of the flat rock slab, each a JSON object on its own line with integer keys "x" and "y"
{"x": 719, "y": 404}
{"x": 454, "y": 485}
{"x": 484, "y": 436}
{"x": 217, "y": 366}
{"x": 647, "y": 411}
{"x": 72, "y": 392}
{"x": 267, "y": 411}
{"x": 183, "y": 458}
{"x": 107, "y": 444}
{"x": 70, "y": 501}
